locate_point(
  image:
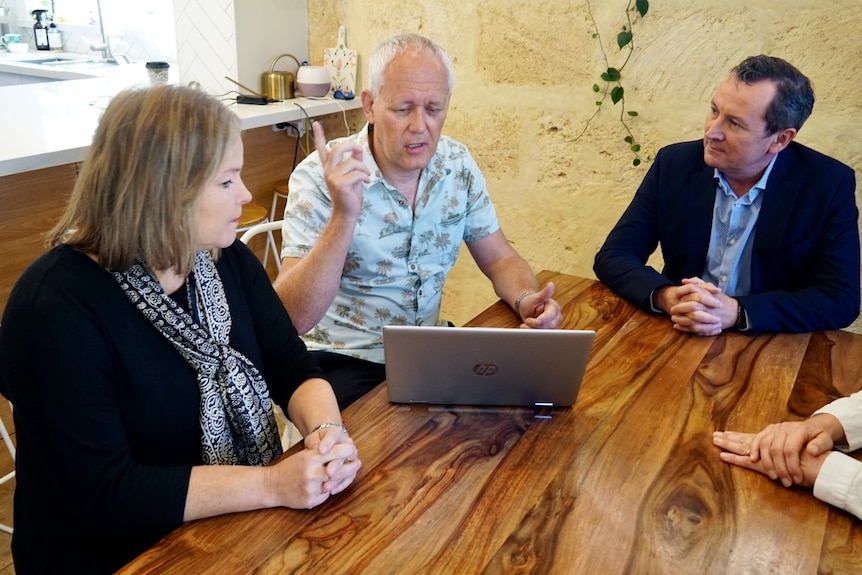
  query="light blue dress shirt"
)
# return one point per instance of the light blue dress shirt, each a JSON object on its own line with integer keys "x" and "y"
{"x": 728, "y": 261}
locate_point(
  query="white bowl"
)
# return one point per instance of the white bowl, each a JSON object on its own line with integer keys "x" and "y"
{"x": 313, "y": 81}
{"x": 18, "y": 47}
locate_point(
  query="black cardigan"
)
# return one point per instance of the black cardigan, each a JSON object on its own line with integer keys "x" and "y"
{"x": 106, "y": 411}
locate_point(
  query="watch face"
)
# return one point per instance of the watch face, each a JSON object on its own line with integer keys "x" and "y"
{"x": 741, "y": 318}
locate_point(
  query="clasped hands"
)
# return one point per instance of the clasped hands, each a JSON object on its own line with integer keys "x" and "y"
{"x": 327, "y": 466}
{"x": 790, "y": 452}
{"x": 697, "y": 307}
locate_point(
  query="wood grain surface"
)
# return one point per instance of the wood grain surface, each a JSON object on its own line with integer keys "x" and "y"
{"x": 627, "y": 481}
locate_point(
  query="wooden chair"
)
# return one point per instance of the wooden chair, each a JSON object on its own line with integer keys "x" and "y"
{"x": 290, "y": 434}
{"x": 11, "y": 475}
{"x": 278, "y": 193}
{"x": 265, "y": 227}
{"x": 253, "y": 214}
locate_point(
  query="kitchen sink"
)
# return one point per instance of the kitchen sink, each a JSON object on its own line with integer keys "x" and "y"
{"x": 55, "y": 61}
{"x": 74, "y": 62}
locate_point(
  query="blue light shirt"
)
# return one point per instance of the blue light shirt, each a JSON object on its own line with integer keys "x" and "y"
{"x": 728, "y": 261}
{"x": 400, "y": 254}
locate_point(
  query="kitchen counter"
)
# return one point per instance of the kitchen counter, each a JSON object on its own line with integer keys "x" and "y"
{"x": 50, "y": 65}
{"x": 51, "y": 123}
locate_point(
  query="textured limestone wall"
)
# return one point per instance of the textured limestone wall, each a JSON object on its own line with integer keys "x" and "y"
{"x": 523, "y": 97}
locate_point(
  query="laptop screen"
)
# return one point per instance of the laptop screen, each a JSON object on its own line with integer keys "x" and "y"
{"x": 485, "y": 366}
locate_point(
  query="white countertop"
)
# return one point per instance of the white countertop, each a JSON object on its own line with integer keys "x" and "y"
{"x": 52, "y": 123}
{"x": 32, "y": 64}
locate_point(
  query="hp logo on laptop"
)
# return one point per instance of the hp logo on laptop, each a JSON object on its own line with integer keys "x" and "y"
{"x": 485, "y": 369}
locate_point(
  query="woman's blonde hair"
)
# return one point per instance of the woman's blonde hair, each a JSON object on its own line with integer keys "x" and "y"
{"x": 154, "y": 151}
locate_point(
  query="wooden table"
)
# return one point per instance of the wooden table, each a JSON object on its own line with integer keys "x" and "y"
{"x": 627, "y": 481}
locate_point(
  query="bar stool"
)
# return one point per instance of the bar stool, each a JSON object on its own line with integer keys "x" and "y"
{"x": 254, "y": 214}
{"x": 279, "y": 192}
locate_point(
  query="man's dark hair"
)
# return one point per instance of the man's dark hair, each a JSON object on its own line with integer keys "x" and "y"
{"x": 794, "y": 96}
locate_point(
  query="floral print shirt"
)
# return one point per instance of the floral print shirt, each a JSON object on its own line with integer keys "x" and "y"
{"x": 400, "y": 255}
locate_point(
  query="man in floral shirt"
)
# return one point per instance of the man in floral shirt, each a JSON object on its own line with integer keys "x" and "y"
{"x": 374, "y": 222}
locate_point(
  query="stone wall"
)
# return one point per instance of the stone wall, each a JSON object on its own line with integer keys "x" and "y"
{"x": 523, "y": 97}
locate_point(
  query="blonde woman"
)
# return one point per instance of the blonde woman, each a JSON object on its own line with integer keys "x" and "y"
{"x": 144, "y": 351}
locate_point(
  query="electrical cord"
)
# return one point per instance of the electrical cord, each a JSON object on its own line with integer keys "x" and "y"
{"x": 340, "y": 106}
{"x": 297, "y": 146}
{"x": 228, "y": 97}
{"x": 343, "y": 116}
{"x": 295, "y": 150}
{"x": 308, "y": 122}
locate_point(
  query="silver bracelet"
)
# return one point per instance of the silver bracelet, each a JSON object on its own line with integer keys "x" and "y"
{"x": 326, "y": 424}
{"x": 517, "y": 305}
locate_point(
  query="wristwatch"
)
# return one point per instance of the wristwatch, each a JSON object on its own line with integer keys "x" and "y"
{"x": 741, "y": 317}
{"x": 327, "y": 424}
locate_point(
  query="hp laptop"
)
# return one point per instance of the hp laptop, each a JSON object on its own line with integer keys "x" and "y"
{"x": 485, "y": 366}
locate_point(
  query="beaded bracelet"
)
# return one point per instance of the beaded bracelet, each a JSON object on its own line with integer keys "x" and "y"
{"x": 517, "y": 305}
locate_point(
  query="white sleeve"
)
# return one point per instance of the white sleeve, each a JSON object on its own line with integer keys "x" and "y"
{"x": 839, "y": 483}
{"x": 848, "y": 411}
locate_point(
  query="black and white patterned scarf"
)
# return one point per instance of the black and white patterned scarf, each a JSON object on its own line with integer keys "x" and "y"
{"x": 237, "y": 421}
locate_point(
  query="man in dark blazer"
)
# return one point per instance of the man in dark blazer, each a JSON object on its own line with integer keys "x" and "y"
{"x": 757, "y": 232}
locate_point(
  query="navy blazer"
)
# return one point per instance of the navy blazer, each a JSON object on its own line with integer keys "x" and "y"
{"x": 805, "y": 258}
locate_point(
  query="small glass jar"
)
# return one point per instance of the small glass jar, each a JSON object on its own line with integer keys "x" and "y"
{"x": 158, "y": 72}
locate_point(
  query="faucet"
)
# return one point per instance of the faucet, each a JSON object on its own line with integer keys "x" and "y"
{"x": 105, "y": 46}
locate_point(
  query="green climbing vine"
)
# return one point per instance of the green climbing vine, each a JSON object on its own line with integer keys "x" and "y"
{"x": 611, "y": 78}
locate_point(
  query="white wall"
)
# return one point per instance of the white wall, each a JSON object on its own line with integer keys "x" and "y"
{"x": 266, "y": 29}
{"x": 237, "y": 38}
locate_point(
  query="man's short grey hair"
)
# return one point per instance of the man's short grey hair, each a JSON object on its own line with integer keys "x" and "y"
{"x": 393, "y": 46}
